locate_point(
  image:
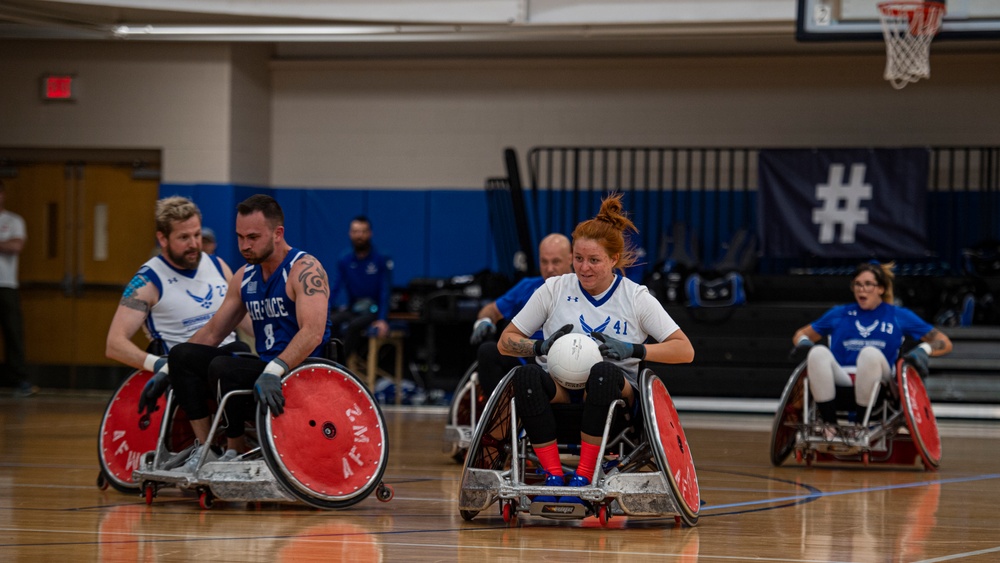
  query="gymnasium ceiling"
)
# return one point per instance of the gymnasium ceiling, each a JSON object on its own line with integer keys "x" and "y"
{"x": 434, "y": 28}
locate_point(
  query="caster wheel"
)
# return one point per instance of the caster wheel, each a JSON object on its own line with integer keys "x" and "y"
{"x": 468, "y": 515}
{"x": 384, "y": 492}
{"x": 509, "y": 514}
{"x": 798, "y": 456}
{"x": 865, "y": 459}
{"x": 206, "y": 500}
{"x": 148, "y": 492}
{"x": 603, "y": 515}
{"x": 102, "y": 482}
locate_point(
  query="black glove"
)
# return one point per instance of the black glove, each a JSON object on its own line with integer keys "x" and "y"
{"x": 483, "y": 329}
{"x": 155, "y": 387}
{"x": 616, "y": 349}
{"x": 800, "y": 351}
{"x": 267, "y": 391}
{"x": 920, "y": 360}
{"x": 542, "y": 347}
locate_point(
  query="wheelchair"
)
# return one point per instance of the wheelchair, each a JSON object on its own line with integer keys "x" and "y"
{"x": 464, "y": 411}
{"x": 646, "y": 470}
{"x": 329, "y": 449}
{"x": 125, "y": 436}
{"x": 898, "y": 428}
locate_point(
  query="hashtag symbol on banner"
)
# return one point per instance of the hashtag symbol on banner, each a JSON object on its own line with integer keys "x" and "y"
{"x": 842, "y": 204}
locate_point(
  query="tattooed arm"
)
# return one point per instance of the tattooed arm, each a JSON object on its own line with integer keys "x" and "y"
{"x": 515, "y": 343}
{"x": 309, "y": 287}
{"x": 139, "y": 297}
{"x": 939, "y": 342}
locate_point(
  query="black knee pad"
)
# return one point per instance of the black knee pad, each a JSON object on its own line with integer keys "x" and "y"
{"x": 533, "y": 390}
{"x": 603, "y": 388}
{"x": 605, "y": 384}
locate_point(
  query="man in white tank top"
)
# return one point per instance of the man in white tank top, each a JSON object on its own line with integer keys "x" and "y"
{"x": 173, "y": 294}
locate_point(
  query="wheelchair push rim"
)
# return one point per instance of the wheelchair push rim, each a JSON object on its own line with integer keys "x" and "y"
{"x": 125, "y": 435}
{"x": 329, "y": 447}
{"x": 490, "y": 445}
{"x": 670, "y": 446}
{"x": 920, "y": 420}
{"x": 788, "y": 416}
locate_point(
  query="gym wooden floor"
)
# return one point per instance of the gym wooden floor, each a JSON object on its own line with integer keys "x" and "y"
{"x": 51, "y": 509}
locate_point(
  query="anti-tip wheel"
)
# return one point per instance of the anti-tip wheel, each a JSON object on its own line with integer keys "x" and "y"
{"x": 384, "y": 493}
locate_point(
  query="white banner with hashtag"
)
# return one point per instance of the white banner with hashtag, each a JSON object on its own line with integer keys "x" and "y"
{"x": 843, "y": 203}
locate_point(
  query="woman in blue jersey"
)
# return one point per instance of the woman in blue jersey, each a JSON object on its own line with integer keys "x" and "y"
{"x": 865, "y": 339}
{"x": 599, "y": 301}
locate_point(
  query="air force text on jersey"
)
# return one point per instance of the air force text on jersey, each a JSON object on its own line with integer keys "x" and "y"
{"x": 268, "y": 307}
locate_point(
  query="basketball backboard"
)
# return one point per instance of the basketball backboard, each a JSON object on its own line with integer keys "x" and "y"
{"x": 858, "y": 20}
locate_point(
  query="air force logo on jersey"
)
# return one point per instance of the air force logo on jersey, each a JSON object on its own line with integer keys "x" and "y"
{"x": 865, "y": 331}
{"x": 206, "y": 301}
{"x": 600, "y": 328}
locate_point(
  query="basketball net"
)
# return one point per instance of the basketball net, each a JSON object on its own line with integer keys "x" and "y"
{"x": 909, "y": 28}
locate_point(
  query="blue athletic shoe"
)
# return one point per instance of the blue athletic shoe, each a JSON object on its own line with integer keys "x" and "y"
{"x": 551, "y": 481}
{"x": 576, "y": 481}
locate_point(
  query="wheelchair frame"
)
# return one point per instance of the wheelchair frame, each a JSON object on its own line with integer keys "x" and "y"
{"x": 463, "y": 413}
{"x": 653, "y": 475}
{"x": 899, "y": 430}
{"x": 296, "y": 454}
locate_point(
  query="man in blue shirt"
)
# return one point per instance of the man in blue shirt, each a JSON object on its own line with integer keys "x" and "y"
{"x": 366, "y": 276}
{"x": 555, "y": 258}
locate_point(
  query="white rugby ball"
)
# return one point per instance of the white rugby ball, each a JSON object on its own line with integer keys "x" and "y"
{"x": 570, "y": 359}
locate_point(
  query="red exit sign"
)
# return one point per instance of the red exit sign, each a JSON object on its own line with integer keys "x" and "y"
{"x": 57, "y": 87}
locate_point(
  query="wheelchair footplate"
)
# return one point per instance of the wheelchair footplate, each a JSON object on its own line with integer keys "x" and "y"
{"x": 456, "y": 438}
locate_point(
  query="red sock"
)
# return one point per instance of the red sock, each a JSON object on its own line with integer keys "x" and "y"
{"x": 588, "y": 460}
{"x": 548, "y": 456}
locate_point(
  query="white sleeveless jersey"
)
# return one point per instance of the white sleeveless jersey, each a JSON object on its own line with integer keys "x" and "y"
{"x": 188, "y": 298}
{"x": 626, "y": 312}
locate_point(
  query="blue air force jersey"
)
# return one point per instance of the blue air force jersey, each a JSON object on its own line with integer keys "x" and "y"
{"x": 271, "y": 310}
{"x": 626, "y": 312}
{"x": 851, "y": 328}
{"x": 368, "y": 278}
{"x": 188, "y": 298}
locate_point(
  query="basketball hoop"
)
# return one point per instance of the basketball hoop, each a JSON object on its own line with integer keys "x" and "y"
{"x": 909, "y": 28}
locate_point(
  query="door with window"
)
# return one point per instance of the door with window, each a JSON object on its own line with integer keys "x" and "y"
{"x": 90, "y": 227}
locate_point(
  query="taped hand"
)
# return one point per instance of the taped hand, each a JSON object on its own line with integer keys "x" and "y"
{"x": 801, "y": 350}
{"x": 267, "y": 391}
{"x": 920, "y": 360}
{"x": 155, "y": 387}
{"x": 483, "y": 329}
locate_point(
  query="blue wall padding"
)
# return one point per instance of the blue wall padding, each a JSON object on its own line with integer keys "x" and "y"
{"x": 444, "y": 233}
{"x": 428, "y": 233}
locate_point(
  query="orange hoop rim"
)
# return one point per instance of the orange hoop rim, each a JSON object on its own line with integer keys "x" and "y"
{"x": 909, "y": 7}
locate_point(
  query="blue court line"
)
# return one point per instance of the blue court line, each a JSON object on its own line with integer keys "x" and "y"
{"x": 817, "y": 494}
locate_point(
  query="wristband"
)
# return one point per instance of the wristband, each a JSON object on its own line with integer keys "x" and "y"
{"x": 481, "y": 321}
{"x": 537, "y": 347}
{"x": 804, "y": 340}
{"x": 925, "y": 347}
{"x": 149, "y": 364}
{"x": 276, "y": 367}
{"x": 639, "y": 351}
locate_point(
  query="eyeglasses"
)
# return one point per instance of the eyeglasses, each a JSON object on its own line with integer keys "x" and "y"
{"x": 864, "y": 286}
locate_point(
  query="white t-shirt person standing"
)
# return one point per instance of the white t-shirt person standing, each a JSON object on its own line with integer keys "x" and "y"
{"x": 12, "y": 237}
